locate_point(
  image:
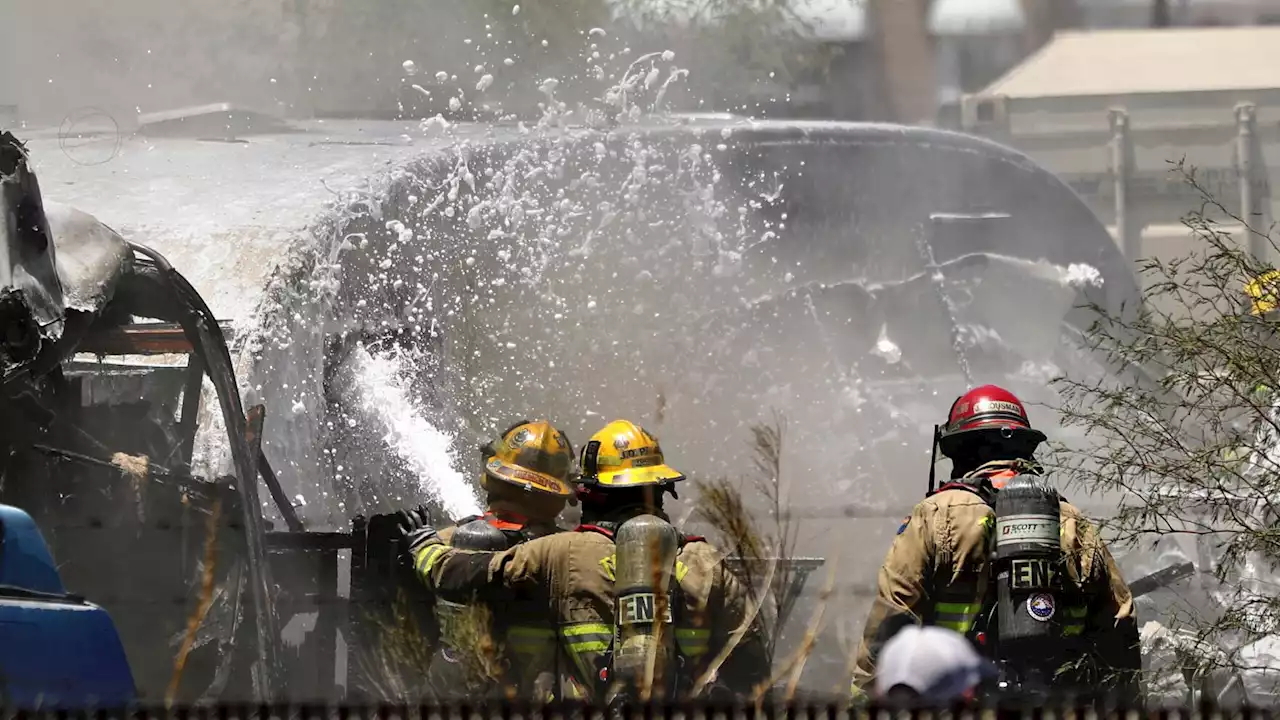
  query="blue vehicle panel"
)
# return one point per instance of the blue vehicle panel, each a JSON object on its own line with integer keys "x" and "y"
{"x": 57, "y": 651}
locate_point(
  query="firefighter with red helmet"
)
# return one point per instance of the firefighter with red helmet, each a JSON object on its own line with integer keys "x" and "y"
{"x": 943, "y": 567}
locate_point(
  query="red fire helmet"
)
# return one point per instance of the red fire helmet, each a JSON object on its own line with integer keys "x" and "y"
{"x": 987, "y": 412}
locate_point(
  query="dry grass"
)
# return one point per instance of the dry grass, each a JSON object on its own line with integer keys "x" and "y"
{"x": 743, "y": 535}
{"x": 794, "y": 666}
{"x": 481, "y": 654}
{"x": 136, "y": 469}
{"x": 734, "y": 638}
{"x": 202, "y": 608}
{"x": 760, "y": 545}
{"x": 660, "y": 580}
{"x": 399, "y": 663}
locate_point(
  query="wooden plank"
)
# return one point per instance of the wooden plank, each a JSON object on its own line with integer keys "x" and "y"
{"x": 331, "y": 608}
{"x": 150, "y": 339}
{"x": 190, "y": 408}
{"x": 308, "y": 541}
{"x": 266, "y": 631}
{"x": 142, "y": 339}
{"x": 287, "y": 511}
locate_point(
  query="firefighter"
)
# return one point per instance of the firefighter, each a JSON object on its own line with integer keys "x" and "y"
{"x": 624, "y": 477}
{"x": 527, "y": 481}
{"x": 1263, "y": 294}
{"x": 526, "y": 476}
{"x": 938, "y": 569}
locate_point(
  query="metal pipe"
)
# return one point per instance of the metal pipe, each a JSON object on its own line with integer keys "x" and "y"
{"x": 1121, "y": 175}
{"x": 208, "y": 342}
{"x": 1246, "y": 174}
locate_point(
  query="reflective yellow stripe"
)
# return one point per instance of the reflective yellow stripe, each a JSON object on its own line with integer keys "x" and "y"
{"x": 586, "y": 629}
{"x": 1074, "y": 613}
{"x": 957, "y": 608}
{"x": 589, "y": 646}
{"x": 427, "y": 557}
{"x": 585, "y": 638}
{"x": 956, "y": 616}
{"x": 693, "y": 641}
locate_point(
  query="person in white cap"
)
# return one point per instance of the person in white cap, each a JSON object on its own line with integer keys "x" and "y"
{"x": 929, "y": 666}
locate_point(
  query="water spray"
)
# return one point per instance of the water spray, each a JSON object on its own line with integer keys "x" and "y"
{"x": 381, "y": 389}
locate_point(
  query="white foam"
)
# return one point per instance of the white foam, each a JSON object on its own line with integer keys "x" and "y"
{"x": 382, "y": 390}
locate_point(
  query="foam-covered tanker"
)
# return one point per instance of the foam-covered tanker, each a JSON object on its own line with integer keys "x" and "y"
{"x": 699, "y": 277}
{"x": 694, "y": 276}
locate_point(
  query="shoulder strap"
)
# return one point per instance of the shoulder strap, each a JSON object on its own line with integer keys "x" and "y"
{"x": 595, "y": 529}
{"x": 686, "y": 539}
{"x": 468, "y": 519}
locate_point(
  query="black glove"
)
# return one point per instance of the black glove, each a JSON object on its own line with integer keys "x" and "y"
{"x": 415, "y": 528}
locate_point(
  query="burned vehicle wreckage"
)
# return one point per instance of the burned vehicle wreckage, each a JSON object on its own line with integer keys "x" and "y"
{"x": 203, "y": 570}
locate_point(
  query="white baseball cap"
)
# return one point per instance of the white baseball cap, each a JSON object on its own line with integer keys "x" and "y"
{"x": 939, "y": 664}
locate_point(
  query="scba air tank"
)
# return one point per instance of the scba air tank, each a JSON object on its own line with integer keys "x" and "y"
{"x": 644, "y": 656}
{"x": 479, "y": 534}
{"x": 476, "y": 534}
{"x": 1028, "y": 563}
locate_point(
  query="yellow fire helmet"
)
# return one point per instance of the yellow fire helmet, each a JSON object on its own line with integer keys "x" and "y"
{"x": 535, "y": 456}
{"x": 624, "y": 454}
{"x": 1264, "y": 293}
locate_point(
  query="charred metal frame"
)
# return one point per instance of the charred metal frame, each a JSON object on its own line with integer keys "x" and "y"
{"x": 198, "y": 336}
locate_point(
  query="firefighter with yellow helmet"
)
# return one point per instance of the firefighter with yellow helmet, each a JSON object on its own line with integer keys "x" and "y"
{"x": 1263, "y": 293}
{"x": 526, "y": 479}
{"x": 1262, "y": 296}
{"x": 580, "y": 575}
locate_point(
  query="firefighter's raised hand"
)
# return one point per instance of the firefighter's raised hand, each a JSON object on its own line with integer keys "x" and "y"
{"x": 415, "y": 527}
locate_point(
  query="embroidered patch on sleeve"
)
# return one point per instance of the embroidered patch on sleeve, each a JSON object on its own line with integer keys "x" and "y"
{"x": 903, "y": 527}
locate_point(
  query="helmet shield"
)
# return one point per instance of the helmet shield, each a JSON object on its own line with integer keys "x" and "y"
{"x": 534, "y": 456}
{"x": 988, "y": 415}
{"x": 624, "y": 454}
